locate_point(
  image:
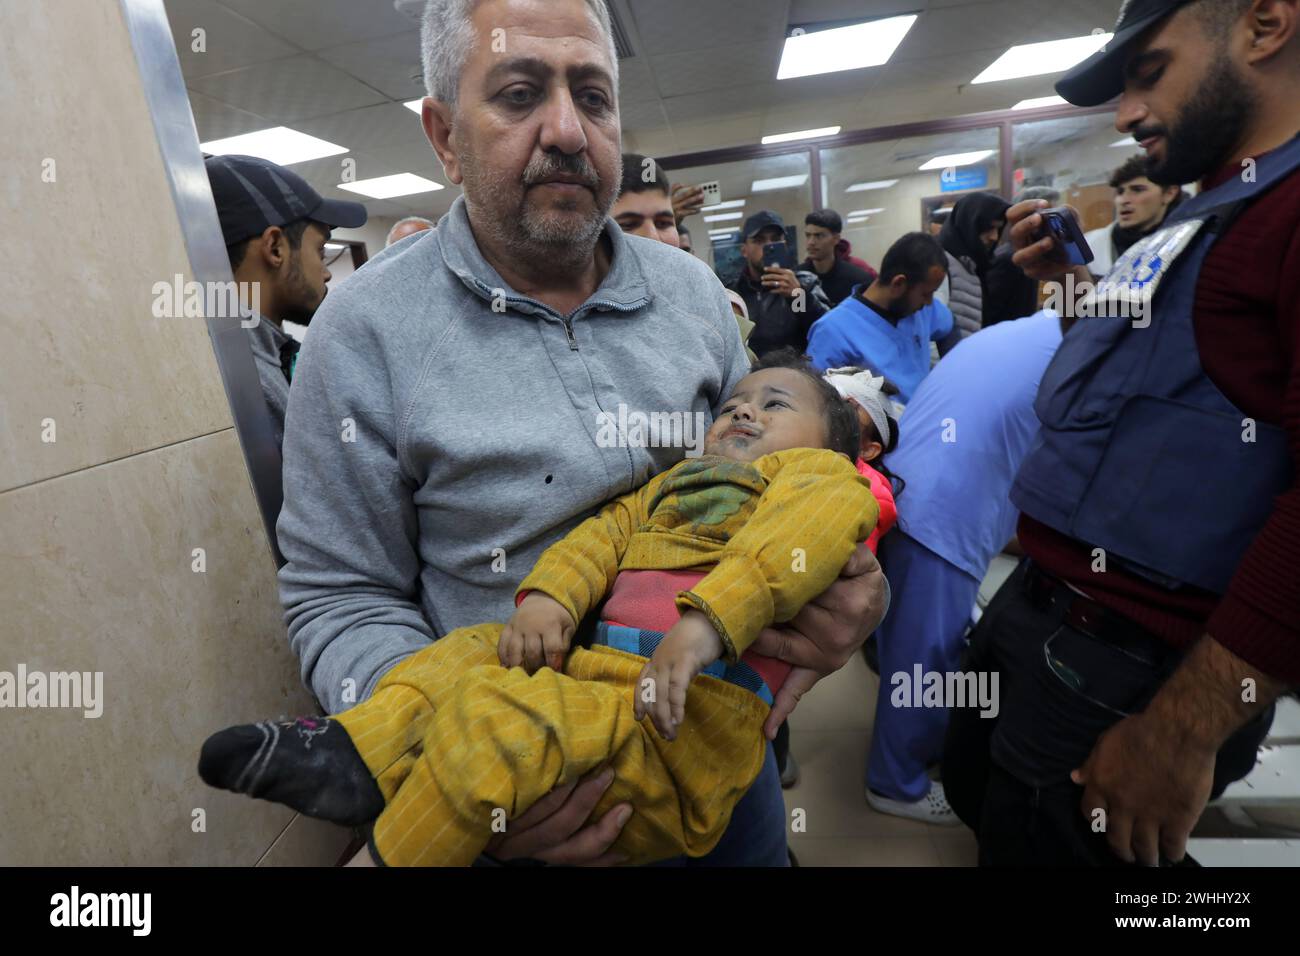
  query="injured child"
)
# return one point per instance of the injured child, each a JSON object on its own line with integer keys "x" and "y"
{"x": 472, "y": 731}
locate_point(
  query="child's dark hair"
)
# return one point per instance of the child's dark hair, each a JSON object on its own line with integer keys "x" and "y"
{"x": 842, "y": 431}
{"x": 887, "y": 442}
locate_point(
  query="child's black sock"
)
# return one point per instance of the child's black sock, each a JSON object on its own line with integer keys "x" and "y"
{"x": 309, "y": 764}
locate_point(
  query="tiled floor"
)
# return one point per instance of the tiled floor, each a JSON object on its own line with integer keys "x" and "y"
{"x": 830, "y": 735}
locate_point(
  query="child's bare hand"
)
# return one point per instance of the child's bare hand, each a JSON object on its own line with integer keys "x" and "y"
{"x": 692, "y": 645}
{"x": 537, "y": 634}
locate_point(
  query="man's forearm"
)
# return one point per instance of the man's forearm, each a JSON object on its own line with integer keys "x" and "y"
{"x": 1211, "y": 694}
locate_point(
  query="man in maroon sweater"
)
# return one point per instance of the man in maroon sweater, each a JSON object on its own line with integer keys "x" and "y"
{"x": 1139, "y": 653}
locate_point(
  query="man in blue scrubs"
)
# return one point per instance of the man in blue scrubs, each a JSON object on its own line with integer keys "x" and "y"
{"x": 961, "y": 440}
{"x": 888, "y": 326}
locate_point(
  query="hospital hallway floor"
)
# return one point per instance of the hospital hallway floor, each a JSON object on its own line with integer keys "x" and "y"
{"x": 830, "y": 733}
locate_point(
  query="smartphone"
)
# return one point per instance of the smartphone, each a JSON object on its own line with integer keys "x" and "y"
{"x": 778, "y": 254}
{"x": 1060, "y": 223}
{"x": 712, "y": 193}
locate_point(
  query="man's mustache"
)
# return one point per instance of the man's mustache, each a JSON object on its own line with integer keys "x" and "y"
{"x": 547, "y": 167}
{"x": 1149, "y": 132}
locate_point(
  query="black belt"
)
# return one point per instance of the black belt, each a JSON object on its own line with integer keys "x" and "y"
{"x": 1049, "y": 593}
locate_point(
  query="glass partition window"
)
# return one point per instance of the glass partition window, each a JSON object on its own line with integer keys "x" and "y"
{"x": 889, "y": 188}
{"x": 782, "y": 184}
{"x": 1077, "y": 156}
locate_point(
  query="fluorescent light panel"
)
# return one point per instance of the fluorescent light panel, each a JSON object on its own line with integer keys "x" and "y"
{"x": 387, "y": 187}
{"x": 279, "y": 144}
{"x": 728, "y": 204}
{"x": 1128, "y": 141}
{"x": 778, "y": 182}
{"x": 415, "y": 106}
{"x": 864, "y": 187}
{"x": 863, "y": 213}
{"x": 957, "y": 159}
{"x": 1040, "y": 101}
{"x": 1035, "y": 59}
{"x": 843, "y": 48}
{"x": 724, "y": 216}
{"x": 801, "y": 134}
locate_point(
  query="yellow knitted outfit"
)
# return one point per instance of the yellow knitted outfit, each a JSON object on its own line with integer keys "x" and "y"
{"x": 459, "y": 745}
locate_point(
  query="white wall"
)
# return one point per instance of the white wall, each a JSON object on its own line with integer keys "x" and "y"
{"x": 373, "y": 233}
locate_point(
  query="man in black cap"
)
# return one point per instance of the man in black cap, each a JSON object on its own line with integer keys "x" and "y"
{"x": 782, "y": 303}
{"x": 275, "y": 227}
{"x": 1157, "y": 617}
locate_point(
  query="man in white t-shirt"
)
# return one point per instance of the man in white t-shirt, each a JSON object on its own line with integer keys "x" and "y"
{"x": 1140, "y": 207}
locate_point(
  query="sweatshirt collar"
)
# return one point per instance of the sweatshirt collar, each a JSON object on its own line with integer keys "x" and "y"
{"x": 623, "y": 290}
{"x": 268, "y": 340}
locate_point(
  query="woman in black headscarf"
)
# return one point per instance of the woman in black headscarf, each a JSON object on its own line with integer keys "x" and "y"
{"x": 969, "y": 237}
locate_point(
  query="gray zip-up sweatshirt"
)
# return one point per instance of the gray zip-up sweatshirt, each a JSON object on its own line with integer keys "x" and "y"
{"x": 443, "y": 430}
{"x": 266, "y": 341}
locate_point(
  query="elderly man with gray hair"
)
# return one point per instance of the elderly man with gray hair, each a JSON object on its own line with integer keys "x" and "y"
{"x": 446, "y": 423}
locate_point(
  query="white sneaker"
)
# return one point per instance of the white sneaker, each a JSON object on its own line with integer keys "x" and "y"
{"x": 932, "y": 808}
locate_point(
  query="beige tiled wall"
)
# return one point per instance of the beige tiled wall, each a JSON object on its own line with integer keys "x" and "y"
{"x": 98, "y": 529}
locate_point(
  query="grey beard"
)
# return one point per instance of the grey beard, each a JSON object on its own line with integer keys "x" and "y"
{"x": 528, "y": 235}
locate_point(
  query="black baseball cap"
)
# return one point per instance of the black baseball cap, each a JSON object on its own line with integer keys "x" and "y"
{"x": 760, "y": 221}
{"x": 1100, "y": 78}
{"x": 252, "y": 194}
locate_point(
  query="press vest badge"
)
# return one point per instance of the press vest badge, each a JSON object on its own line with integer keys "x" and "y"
{"x": 1131, "y": 285}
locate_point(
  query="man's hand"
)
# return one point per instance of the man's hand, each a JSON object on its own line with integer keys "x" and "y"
{"x": 1153, "y": 772}
{"x": 691, "y": 645}
{"x": 826, "y": 632}
{"x": 1039, "y": 255}
{"x": 539, "y": 632}
{"x": 552, "y": 830}
{"x": 687, "y": 200}
{"x": 781, "y": 281}
{"x": 1151, "y": 786}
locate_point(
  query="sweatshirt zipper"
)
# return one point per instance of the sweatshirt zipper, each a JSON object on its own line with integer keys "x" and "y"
{"x": 568, "y": 326}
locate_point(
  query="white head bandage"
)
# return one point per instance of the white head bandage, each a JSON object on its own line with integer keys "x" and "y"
{"x": 865, "y": 389}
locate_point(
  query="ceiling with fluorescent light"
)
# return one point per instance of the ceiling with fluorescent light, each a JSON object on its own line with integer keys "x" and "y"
{"x": 701, "y": 76}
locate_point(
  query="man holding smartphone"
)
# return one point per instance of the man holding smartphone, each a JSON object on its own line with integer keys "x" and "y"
{"x": 782, "y": 303}
{"x": 1157, "y": 617}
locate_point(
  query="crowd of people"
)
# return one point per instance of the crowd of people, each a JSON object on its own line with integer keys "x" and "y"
{"x": 898, "y": 426}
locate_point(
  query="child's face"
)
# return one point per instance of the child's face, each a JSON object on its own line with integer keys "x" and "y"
{"x": 770, "y": 410}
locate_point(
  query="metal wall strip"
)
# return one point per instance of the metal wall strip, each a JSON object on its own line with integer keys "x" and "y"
{"x": 178, "y": 141}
